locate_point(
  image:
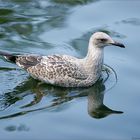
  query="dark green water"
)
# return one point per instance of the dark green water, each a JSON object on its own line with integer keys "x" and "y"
{"x": 29, "y": 111}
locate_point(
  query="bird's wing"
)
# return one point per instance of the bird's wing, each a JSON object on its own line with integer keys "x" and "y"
{"x": 54, "y": 65}
{"x": 26, "y": 61}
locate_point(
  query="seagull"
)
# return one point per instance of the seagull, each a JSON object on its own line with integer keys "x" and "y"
{"x": 65, "y": 70}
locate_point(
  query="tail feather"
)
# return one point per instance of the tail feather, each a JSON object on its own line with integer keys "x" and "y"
{"x": 8, "y": 56}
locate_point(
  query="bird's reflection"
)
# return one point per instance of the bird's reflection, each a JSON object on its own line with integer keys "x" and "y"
{"x": 54, "y": 98}
{"x": 96, "y": 107}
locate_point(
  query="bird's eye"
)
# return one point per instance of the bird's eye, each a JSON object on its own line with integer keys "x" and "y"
{"x": 103, "y": 40}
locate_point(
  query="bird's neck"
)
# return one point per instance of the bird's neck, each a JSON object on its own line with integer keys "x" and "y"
{"x": 94, "y": 60}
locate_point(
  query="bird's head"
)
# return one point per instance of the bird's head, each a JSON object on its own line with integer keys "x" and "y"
{"x": 100, "y": 40}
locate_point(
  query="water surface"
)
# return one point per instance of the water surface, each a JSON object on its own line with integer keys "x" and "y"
{"x": 107, "y": 110}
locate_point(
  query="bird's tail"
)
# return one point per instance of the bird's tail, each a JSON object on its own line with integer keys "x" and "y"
{"x": 8, "y": 56}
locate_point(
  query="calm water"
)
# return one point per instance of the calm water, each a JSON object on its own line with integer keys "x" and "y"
{"x": 109, "y": 110}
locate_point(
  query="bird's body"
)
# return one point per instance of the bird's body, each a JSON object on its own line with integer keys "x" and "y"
{"x": 61, "y": 70}
{"x": 64, "y": 70}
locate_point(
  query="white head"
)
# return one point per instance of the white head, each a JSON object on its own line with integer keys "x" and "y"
{"x": 100, "y": 40}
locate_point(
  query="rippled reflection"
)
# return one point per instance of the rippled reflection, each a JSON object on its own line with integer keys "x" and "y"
{"x": 131, "y": 21}
{"x": 53, "y": 97}
{"x": 29, "y": 18}
{"x": 74, "y": 2}
{"x": 19, "y": 128}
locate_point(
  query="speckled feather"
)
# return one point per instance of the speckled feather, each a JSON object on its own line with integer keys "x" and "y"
{"x": 60, "y": 70}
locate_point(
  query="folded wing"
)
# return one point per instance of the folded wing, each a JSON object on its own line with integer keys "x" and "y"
{"x": 51, "y": 67}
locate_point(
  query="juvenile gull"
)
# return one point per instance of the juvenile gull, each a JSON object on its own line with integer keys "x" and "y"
{"x": 64, "y": 70}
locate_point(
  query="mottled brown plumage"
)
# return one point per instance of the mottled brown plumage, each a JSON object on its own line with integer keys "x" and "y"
{"x": 53, "y": 69}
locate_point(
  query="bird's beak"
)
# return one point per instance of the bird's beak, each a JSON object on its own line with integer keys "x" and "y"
{"x": 115, "y": 43}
